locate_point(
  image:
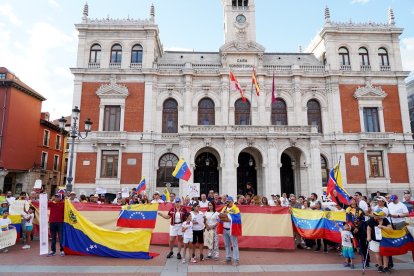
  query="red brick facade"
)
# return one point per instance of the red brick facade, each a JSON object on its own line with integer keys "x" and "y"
{"x": 349, "y": 109}
{"x": 397, "y": 163}
{"x": 131, "y": 174}
{"x": 392, "y": 112}
{"x": 85, "y": 173}
{"x": 355, "y": 174}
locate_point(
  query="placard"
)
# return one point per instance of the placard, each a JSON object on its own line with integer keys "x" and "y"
{"x": 18, "y": 207}
{"x": 8, "y": 238}
{"x": 100, "y": 190}
{"x": 191, "y": 190}
{"x": 125, "y": 192}
{"x": 38, "y": 184}
{"x": 43, "y": 225}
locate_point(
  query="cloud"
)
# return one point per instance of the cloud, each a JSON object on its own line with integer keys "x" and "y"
{"x": 407, "y": 53}
{"x": 359, "y": 1}
{"x": 53, "y": 3}
{"x": 6, "y": 10}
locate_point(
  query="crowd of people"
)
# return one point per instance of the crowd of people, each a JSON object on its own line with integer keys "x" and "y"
{"x": 199, "y": 228}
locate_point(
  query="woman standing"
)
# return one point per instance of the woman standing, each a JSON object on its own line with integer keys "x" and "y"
{"x": 198, "y": 232}
{"x": 211, "y": 221}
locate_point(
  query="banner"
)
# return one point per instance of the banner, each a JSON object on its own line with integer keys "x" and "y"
{"x": 8, "y": 238}
{"x": 43, "y": 225}
{"x": 18, "y": 207}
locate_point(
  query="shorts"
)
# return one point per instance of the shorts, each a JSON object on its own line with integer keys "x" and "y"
{"x": 348, "y": 252}
{"x": 374, "y": 246}
{"x": 29, "y": 228}
{"x": 198, "y": 236}
{"x": 188, "y": 240}
{"x": 175, "y": 230}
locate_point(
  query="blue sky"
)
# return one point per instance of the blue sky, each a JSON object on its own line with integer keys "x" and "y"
{"x": 39, "y": 41}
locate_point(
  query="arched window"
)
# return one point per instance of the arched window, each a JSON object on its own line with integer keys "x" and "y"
{"x": 136, "y": 54}
{"x": 166, "y": 166}
{"x": 324, "y": 171}
{"x": 95, "y": 54}
{"x": 116, "y": 54}
{"x": 383, "y": 57}
{"x": 170, "y": 116}
{"x": 314, "y": 114}
{"x": 363, "y": 56}
{"x": 240, "y": 3}
{"x": 242, "y": 113}
{"x": 279, "y": 113}
{"x": 344, "y": 56}
{"x": 206, "y": 114}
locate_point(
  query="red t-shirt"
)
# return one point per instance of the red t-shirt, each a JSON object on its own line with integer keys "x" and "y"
{"x": 57, "y": 211}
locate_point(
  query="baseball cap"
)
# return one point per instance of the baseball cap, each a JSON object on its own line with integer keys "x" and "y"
{"x": 72, "y": 193}
{"x": 394, "y": 198}
{"x": 157, "y": 193}
{"x": 177, "y": 200}
{"x": 229, "y": 198}
{"x": 407, "y": 192}
{"x": 5, "y": 202}
{"x": 379, "y": 213}
{"x": 273, "y": 195}
{"x": 381, "y": 198}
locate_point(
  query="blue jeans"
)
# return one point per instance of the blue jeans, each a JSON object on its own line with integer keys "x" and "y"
{"x": 56, "y": 228}
{"x": 228, "y": 238}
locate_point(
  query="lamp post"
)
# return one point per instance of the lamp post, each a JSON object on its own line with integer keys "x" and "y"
{"x": 74, "y": 133}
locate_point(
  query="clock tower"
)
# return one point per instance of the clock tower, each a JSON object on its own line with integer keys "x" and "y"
{"x": 239, "y": 20}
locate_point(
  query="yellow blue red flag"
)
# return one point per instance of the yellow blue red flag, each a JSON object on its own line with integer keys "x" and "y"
{"x": 396, "y": 242}
{"x": 138, "y": 216}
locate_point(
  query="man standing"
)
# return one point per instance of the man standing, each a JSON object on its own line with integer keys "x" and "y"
{"x": 210, "y": 195}
{"x": 10, "y": 198}
{"x": 56, "y": 219}
{"x": 408, "y": 201}
{"x": 398, "y": 212}
{"x": 231, "y": 228}
{"x": 73, "y": 198}
{"x": 294, "y": 203}
{"x": 204, "y": 202}
{"x": 156, "y": 198}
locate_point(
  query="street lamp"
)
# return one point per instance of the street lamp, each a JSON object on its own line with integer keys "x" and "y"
{"x": 74, "y": 133}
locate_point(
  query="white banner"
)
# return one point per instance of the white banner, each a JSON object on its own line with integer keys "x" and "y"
{"x": 43, "y": 224}
{"x": 8, "y": 238}
{"x": 18, "y": 206}
{"x": 191, "y": 190}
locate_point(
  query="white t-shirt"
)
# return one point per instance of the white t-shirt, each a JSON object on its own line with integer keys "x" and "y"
{"x": 157, "y": 201}
{"x": 227, "y": 224}
{"x": 346, "y": 238}
{"x": 203, "y": 204}
{"x": 188, "y": 229}
{"x": 211, "y": 218}
{"x": 272, "y": 202}
{"x": 30, "y": 217}
{"x": 199, "y": 218}
{"x": 284, "y": 202}
{"x": 177, "y": 218}
{"x": 397, "y": 209}
{"x": 4, "y": 224}
{"x": 10, "y": 200}
{"x": 363, "y": 205}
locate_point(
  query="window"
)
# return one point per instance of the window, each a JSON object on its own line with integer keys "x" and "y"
{"x": 2, "y": 76}
{"x": 43, "y": 160}
{"x": 376, "y": 167}
{"x": 344, "y": 56}
{"x": 363, "y": 56}
{"x": 242, "y": 113}
{"x": 56, "y": 163}
{"x": 95, "y": 54}
{"x": 58, "y": 142}
{"x": 314, "y": 114}
{"x": 240, "y": 3}
{"x": 116, "y": 53}
{"x": 206, "y": 113}
{"x": 46, "y": 137}
{"x": 112, "y": 118}
{"x": 324, "y": 171}
{"x": 166, "y": 166}
{"x": 136, "y": 54}
{"x": 371, "y": 121}
{"x": 279, "y": 113}
{"x": 383, "y": 57}
{"x": 170, "y": 116}
{"x": 109, "y": 164}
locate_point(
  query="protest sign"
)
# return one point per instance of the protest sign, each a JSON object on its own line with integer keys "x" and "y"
{"x": 18, "y": 207}
{"x": 191, "y": 189}
{"x": 43, "y": 224}
{"x": 8, "y": 238}
{"x": 125, "y": 192}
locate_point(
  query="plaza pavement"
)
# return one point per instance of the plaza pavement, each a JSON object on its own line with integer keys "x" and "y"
{"x": 252, "y": 262}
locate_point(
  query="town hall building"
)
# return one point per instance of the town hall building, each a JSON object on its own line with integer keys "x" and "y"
{"x": 342, "y": 99}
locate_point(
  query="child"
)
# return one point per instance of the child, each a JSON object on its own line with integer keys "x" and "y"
{"x": 347, "y": 246}
{"x": 5, "y": 224}
{"x": 28, "y": 217}
{"x": 187, "y": 229}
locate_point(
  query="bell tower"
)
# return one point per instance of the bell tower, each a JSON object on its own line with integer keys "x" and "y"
{"x": 239, "y": 20}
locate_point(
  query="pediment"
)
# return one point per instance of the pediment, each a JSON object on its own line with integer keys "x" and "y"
{"x": 369, "y": 92}
{"x": 242, "y": 46}
{"x": 112, "y": 90}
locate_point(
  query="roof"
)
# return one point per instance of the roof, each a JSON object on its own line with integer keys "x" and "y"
{"x": 12, "y": 80}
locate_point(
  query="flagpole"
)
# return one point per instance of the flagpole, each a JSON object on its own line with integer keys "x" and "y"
{"x": 228, "y": 110}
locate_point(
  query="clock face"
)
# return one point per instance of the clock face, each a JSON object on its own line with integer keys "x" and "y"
{"x": 241, "y": 18}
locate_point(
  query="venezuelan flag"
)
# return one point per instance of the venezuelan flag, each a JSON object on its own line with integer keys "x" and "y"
{"x": 335, "y": 183}
{"x": 16, "y": 221}
{"x": 312, "y": 224}
{"x": 138, "y": 216}
{"x": 236, "y": 221}
{"x": 396, "y": 242}
{"x": 81, "y": 237}
{"x": 182, "y": 171}
{"x": 142, "y": 186}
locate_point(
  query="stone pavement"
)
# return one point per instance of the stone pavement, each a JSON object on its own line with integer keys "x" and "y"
{"x": 252, "y": 262}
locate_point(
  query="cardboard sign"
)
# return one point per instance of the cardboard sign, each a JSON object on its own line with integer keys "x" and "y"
{"x": 38, "y": 184}
{"x": 43, "y": 225}
{"x": 18, "y": 206}
{"x": 8, "y": 238}
{"x": 125, "y": 192}
{"x": 192, "y": 190}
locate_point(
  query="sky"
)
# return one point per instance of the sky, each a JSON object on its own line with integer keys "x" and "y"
{"x": 38, "y": 40}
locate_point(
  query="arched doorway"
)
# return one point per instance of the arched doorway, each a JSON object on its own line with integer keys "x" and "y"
{"x": 287, "y": 181}
{"x": 246, "y": 172}
{"x": 206, "y": 172}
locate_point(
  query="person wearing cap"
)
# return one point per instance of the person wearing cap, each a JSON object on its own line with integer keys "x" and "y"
{"x": 73, "y": 198}
{"x": 375, "y": 225}
{"x": 56, "y": 219}
{"x": 272, "y": 200}
{"x": 381, "y": 202}
{"x": 156, "y": 198}
{"x": 230, "y": 240}
{"x": 4, "y": 206}
{"x": 408, "y": 201}
{"x": 176, "y": 214}
{"x": 398, "y": 212}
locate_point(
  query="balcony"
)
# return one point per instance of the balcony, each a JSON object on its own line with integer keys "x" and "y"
{"x": 109, "y": 137}
{"x": 377, "y": 136}
{"x": 384, "y": 68}
{"x": 94, "y": 65}
{"x": 135, "y": 65}
{"x": 115, "y": 65}
{"x": 345, "y": 68}
{"x": 365, "y": 68}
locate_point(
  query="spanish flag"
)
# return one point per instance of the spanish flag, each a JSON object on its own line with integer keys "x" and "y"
{"x": 255, "y": 82}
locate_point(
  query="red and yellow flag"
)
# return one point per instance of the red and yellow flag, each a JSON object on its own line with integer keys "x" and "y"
{"x": 236, "y": 84}
{"x": 255, "y": 82}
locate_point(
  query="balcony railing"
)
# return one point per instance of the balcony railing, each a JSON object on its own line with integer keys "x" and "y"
{"x": 345, "y": 67}
{"x": 278, "y": 67}
{"x": 365, "y": 68}
{"x": 135, "y": 65}
{"x": 376, "y": 136}
{"x": 115, "y": 65}
{"x": 312, "y": 68}
{"x": 243, "y": 130}
{"x": 385, "y": 68}
{"x": 94, "y": 65}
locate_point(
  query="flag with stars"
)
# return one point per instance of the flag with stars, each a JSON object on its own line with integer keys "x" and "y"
{"x": 82, "y": 237}
{"x": 396, "y": 242}
{"x": 312, "y": 224}
{"x": 138, "y": 216}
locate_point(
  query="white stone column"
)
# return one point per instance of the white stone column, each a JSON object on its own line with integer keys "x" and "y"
{"x": 410, "y": 161}
{"x": 261, "y": 101}
{"x": 314, "y": 169}
{"x": 225, "y": 98}
{"x": 148, "y": 164}
{"x": 186, "y": 154}
{"x": 272, "y": 184}
{"x": 230, "y": 170}
{"x": 187, "y": 102}
{"x": 334, "y": 105}
{"x": 405, "y": 116}
{"x": 3, "y": 174}
{"x": 148, "y": 105}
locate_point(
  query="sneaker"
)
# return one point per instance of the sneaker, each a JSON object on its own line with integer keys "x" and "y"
{"x": 26, "y": 246}
{"x": 5, "y": 250}
{"x": 201, "y": 257}
{"x": 352, "y": 266}
{"x": 193, "y": 260}
{"x": 170, "y": 255}
{"x": 325, "y": 251}
{"x": 183, "y": 261}
{"x": 52, "y": 253}
{"x": 178, "y": 256}
{"x": 209, "y": 256}
{"x": 387, "y": 270}
{"x": 380, "y": 269}
{"x": 347, "y": 264}
{"x": 62, "y": 253}
{"x": 216, "y": 258}
{"x": 226, "y": 261}
{"x": 308, "y": 248}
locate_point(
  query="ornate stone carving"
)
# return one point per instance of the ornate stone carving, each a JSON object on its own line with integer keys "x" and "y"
{"x": 185, "y": 143}
{"x": 207, "y": 142}
{"x": 112, "y": 90}
{"x": 354, "y": 161}
{"x": 250, "y": 141}
{"x": 369, "y": 92}
{"x": 272, "y": 143}
{"x": 229, "y": 143}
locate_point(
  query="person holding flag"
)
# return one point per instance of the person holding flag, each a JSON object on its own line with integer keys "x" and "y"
{"x": 142, "y": 186}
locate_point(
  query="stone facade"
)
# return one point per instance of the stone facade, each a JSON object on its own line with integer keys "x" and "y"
{"x": 289, "y": 156}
